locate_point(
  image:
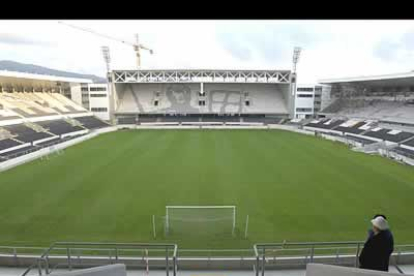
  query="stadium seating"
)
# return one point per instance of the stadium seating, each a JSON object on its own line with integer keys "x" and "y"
{"x": 7, "y": 114}
{"x": 409, "y": 142}
{"x": 405, "y": 152}
{"x": 35, "y": 104}
{"x": 8, "y": 143}
{"x": 373, "y": 108}
{"x": 25, "y": 105}
{"x": 127, "y": 121}
{"x": 91, "y": 122}
{"x": 190, "y": 119}
{"x": 25, "y": 133}
{"x": 184, "y": 99}
{"x": 352, "y": 126}
{"x": 18, "y": 152}
{"x": 325, "y": 123}
{"x": 389, "y": 135}
{"x": 147, "y": 119}
{"x": 59, "y": 127}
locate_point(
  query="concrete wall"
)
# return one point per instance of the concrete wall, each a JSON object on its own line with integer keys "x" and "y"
{"x": 106, "y": 270}
{"x": 330, "y": 270}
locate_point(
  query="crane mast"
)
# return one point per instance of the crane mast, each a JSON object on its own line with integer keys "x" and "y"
{"x": 136, "y": 46}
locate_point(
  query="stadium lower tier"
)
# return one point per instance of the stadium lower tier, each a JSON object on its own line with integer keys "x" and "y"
{"x": 20, "y": 139}
{"x": 197, "y": 118}
{"x": 369, "y": 130}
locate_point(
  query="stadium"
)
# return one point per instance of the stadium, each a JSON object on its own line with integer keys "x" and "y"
{"x": 166, "y": 171}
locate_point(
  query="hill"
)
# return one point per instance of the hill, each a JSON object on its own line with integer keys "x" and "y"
{"x": 35, "y": 69}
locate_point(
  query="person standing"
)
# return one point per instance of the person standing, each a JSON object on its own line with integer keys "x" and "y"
{"x": 379, "y": 246}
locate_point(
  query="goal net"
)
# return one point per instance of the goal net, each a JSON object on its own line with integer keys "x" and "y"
{"x": 199, "y": 220}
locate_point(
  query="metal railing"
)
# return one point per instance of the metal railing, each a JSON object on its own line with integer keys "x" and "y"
{"x": 70, "y": 254}
{"x": 261, "y": 257}
{"x": 305, "y": 252}
{"x": 339, "y": 253}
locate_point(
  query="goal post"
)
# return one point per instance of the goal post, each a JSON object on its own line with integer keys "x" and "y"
{"x": 200, "y": 219}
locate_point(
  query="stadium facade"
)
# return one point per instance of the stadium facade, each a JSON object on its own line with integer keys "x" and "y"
{"x": 388, "y": 98}
{"x": 144, "y": 94}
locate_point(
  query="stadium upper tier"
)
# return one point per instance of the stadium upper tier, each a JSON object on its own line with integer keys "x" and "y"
{"x": 379, "y": 109}
{"x": 35, "y": 104}
{"x": 215, "y": 98}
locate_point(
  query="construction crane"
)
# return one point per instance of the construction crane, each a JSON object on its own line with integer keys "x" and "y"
{"x": 136, "y": 46}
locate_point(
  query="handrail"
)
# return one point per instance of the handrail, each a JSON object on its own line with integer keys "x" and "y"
{"x": 310, "y": 248}
{"x": 260, "y": 253}
{"x": 44, "y": 257}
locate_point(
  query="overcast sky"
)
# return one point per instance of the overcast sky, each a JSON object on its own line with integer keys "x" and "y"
{"x": 330, "y": 48}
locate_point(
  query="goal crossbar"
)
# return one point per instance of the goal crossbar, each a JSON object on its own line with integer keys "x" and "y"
{"x": 169, "y": 209}
{"x": 201, "y": 207}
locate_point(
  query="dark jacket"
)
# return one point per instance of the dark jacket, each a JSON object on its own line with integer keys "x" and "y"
{"x": 377, "y": 251}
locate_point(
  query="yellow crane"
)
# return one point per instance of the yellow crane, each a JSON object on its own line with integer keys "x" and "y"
{"x": 136, "y": 46}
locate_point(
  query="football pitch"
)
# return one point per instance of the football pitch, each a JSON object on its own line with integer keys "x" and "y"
{"x": 293, "y": 187}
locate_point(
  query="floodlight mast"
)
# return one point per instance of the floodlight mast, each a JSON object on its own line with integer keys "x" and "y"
{"x": 107, "y": 58}
{"x": 136, "y": 46}
{"x": 296, "y": 55}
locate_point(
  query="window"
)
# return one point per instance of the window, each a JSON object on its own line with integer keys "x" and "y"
{"x": 97, "y": 89}
{"x": 307, "y": 89}
{"x": 157, "y": 94}
{"x": 99, "y": 109}
{"x": 98, "y": 95}
{"x": 305, "y": 96}
{"x": 318, "y": 89}
{"x": 299, "y": 109}
{"x": 201, "y": 94}
{"x": 156, "y": 103}
{"x": 317, "y": 95}
{"x": 202, "y": 103}
{"x": 247, "y": 103}
{"x": 84, "y": 89}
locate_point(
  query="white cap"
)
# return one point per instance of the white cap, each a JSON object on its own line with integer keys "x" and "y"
{"x": 380, "y": 223}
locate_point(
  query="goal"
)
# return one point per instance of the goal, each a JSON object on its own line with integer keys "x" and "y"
{"x": 198, "y": 220}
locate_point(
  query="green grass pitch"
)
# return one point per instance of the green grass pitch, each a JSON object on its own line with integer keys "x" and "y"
{"x": 293, "y": 187}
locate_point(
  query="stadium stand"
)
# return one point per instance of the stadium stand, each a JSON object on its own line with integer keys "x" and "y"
{"x": 147, "y": 119}
{"x": 353, "y": 126}
{"x": 409, "y": 142}
{"x": 91, "y": 122}
{"x": 127, "y": 120}
{"x": 389, "y": 135}
{"x": 185, "y": 99}
{"x": 190, "y": 119}
{"x": 36, "y": 104}
{"x": 377, "y": 108}
{"x": 24, "y": 104}
{"x": 405, "y": 152}
{"x": 8, "y": 143}
{"x": 59, "y": 127}
{"x": 18, "y": 152}
{"x": 7, "y": 114}
{"x": 25, "y": 133}
{"x": 325, "y": 123}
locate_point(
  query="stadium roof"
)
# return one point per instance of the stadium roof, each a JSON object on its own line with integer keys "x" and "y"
{"x": 399, "y": 79}
{"x": 12, "y": 76}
